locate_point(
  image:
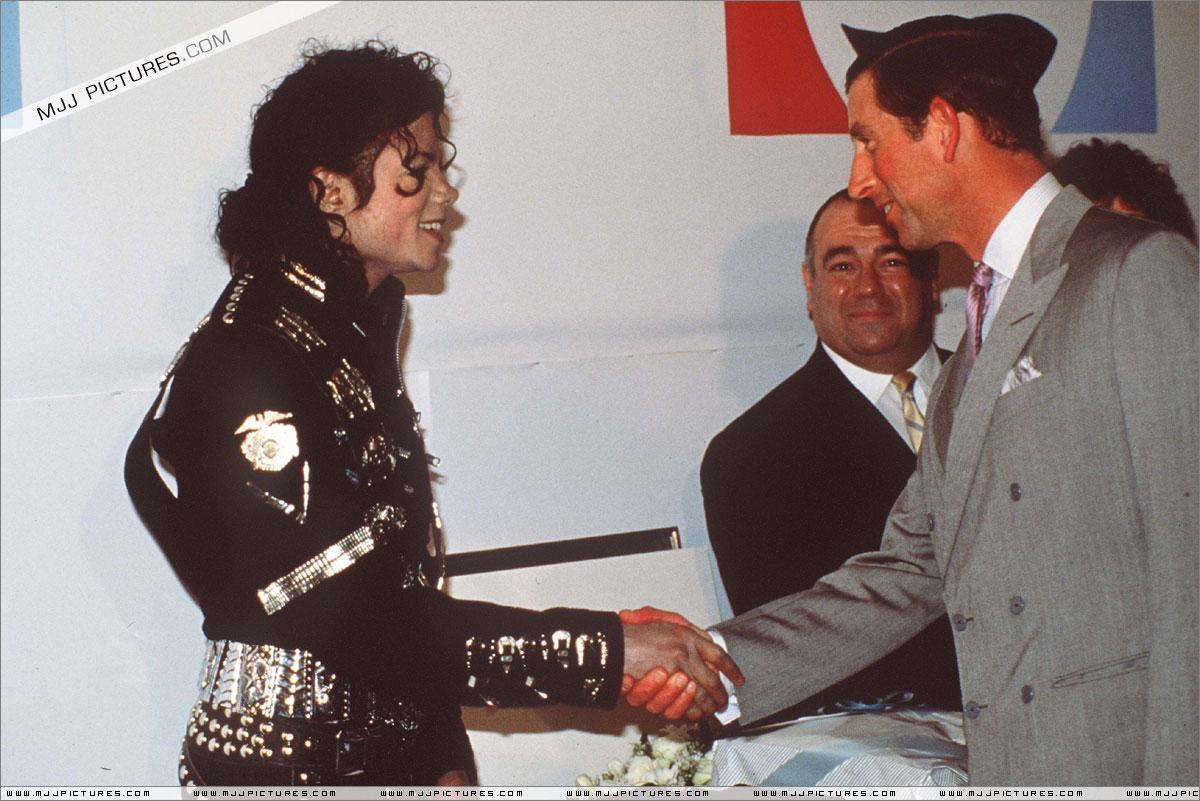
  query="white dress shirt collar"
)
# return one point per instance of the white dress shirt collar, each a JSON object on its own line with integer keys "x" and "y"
{"x": 1011, "y": 237}
{"x": 874, "y": 385}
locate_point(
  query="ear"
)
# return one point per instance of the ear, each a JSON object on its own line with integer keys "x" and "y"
{"x": 806, "y": 272}
{"x": 943, "y": 118}
{"x": 338, "y": 197}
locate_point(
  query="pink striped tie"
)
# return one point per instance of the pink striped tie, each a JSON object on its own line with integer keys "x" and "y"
{"x": 977, "y": 306}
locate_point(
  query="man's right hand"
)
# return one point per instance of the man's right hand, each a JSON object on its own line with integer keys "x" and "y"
{"x": 659, "y": 647}
{"x": 662, "y": 693}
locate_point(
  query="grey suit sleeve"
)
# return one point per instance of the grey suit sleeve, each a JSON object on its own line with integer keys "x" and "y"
{"x": 1154, "y": 343}
{"x": 800, "y": 644}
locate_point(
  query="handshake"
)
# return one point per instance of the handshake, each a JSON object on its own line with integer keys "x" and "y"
{"x": 672, "y": 667}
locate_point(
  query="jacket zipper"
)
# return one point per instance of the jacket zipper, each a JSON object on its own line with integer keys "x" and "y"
{"x": 400, "y": 390}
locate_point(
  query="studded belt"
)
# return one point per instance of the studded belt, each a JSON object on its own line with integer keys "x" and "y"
{"x": 283, "y": 706}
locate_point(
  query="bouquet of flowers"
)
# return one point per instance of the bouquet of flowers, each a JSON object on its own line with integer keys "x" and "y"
{"x": 679, "y": 757}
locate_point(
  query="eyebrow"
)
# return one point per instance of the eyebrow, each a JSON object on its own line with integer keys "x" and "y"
{"x": 847, "y": 250}
{"x": 837, "y": 250}
{"x": 859, "y": 131}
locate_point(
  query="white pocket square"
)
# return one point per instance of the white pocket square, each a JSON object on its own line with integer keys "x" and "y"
{"x": 1022, "y": 372}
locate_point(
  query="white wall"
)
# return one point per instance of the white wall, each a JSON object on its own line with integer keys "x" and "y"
{"x": 624, "y": 280}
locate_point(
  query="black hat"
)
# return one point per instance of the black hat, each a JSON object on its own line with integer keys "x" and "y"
{"x": 1030, "y": 44}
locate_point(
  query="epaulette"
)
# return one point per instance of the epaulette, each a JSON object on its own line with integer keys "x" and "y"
{"x": 289, "y": 303}
{"x": 250, "y": 299}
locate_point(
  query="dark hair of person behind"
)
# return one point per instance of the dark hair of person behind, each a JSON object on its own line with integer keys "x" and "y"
{"x": 1107, "y": 170}
{"x": 337, "y": 111}
{"x": 922, "y": 263}
{"x": 974, "y": 71}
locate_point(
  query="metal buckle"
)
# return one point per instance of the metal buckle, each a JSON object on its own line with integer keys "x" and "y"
{"x": 351, "y": 751}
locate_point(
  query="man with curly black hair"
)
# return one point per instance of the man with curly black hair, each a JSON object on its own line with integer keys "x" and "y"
{"x": 1121, "y": 178}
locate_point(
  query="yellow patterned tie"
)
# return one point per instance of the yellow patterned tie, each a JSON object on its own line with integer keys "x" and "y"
{"x": 914, "y": 421}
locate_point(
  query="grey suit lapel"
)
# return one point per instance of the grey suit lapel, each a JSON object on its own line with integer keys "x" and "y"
{"x": 1033, "y": 287}
{"x": 944, "y": 401}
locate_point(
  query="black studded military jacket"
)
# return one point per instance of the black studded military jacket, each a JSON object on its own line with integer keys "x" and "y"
{"x": 304, "y": 507}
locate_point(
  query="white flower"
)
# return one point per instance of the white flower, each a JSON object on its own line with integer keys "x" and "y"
{"x": 664, "y": 772}
{"x": 584, "y": 780}
{"x": 639, "y": 771}
{"x": 704, "y": 771}
{"x": 673, "y": 759}
{"x": 663, "y": 747}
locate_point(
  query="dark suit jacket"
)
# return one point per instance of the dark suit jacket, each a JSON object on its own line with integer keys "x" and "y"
{"x": 799, "y": 483}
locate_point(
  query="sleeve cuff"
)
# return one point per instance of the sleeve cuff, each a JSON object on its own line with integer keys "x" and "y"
{"x": 732, "y": 711}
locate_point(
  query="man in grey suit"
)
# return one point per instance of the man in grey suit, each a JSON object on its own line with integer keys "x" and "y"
{"x": 1053, "y": 512}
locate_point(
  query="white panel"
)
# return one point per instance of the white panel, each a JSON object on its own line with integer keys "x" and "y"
{"x": 555, "y": 450}
{"x": 1177, "y": 63}
{"x": 101, "y": 644}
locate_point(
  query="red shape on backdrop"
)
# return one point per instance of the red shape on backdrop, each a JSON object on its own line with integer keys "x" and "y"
{"x": 777, "y": 83}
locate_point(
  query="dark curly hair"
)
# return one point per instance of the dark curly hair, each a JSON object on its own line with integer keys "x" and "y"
{"x": 1107, "y": 170}
{"x": 337, "y": 111}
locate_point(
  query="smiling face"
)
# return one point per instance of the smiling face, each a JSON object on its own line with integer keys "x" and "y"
{"x": 864, "y": 300}
{"x": 399, "y": 229}
{"x": 898, "y": 174}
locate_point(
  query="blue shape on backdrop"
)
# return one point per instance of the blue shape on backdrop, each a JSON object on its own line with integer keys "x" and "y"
{"x": 10, "y": 57}
{"x": 1114, "y": 91}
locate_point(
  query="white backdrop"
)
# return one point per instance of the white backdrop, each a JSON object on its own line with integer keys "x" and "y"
{"x": 622, "y": 282}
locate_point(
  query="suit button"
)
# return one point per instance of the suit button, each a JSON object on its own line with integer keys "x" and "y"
{"x": 959, "y": 622}
{"x": 971, "y": 709}
{"x": 929, "y": 520}
{"x": 1014, "y": 491}
{"x": 1016, "y": 604}
{"x": 1027, "y": 694}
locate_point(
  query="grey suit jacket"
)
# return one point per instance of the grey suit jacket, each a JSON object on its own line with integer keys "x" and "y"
{"x": 1056, "y": 523}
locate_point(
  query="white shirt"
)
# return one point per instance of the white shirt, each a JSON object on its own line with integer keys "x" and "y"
{"x": 1003, "y": 254}
{"x": 880, "y": 391}
{"x": 1010, "y": 240}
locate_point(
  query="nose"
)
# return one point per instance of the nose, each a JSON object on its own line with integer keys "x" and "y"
{"x": 862, "y": 177}
{"x": 443, "y": 192}
{"x": 868, "y": 280}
